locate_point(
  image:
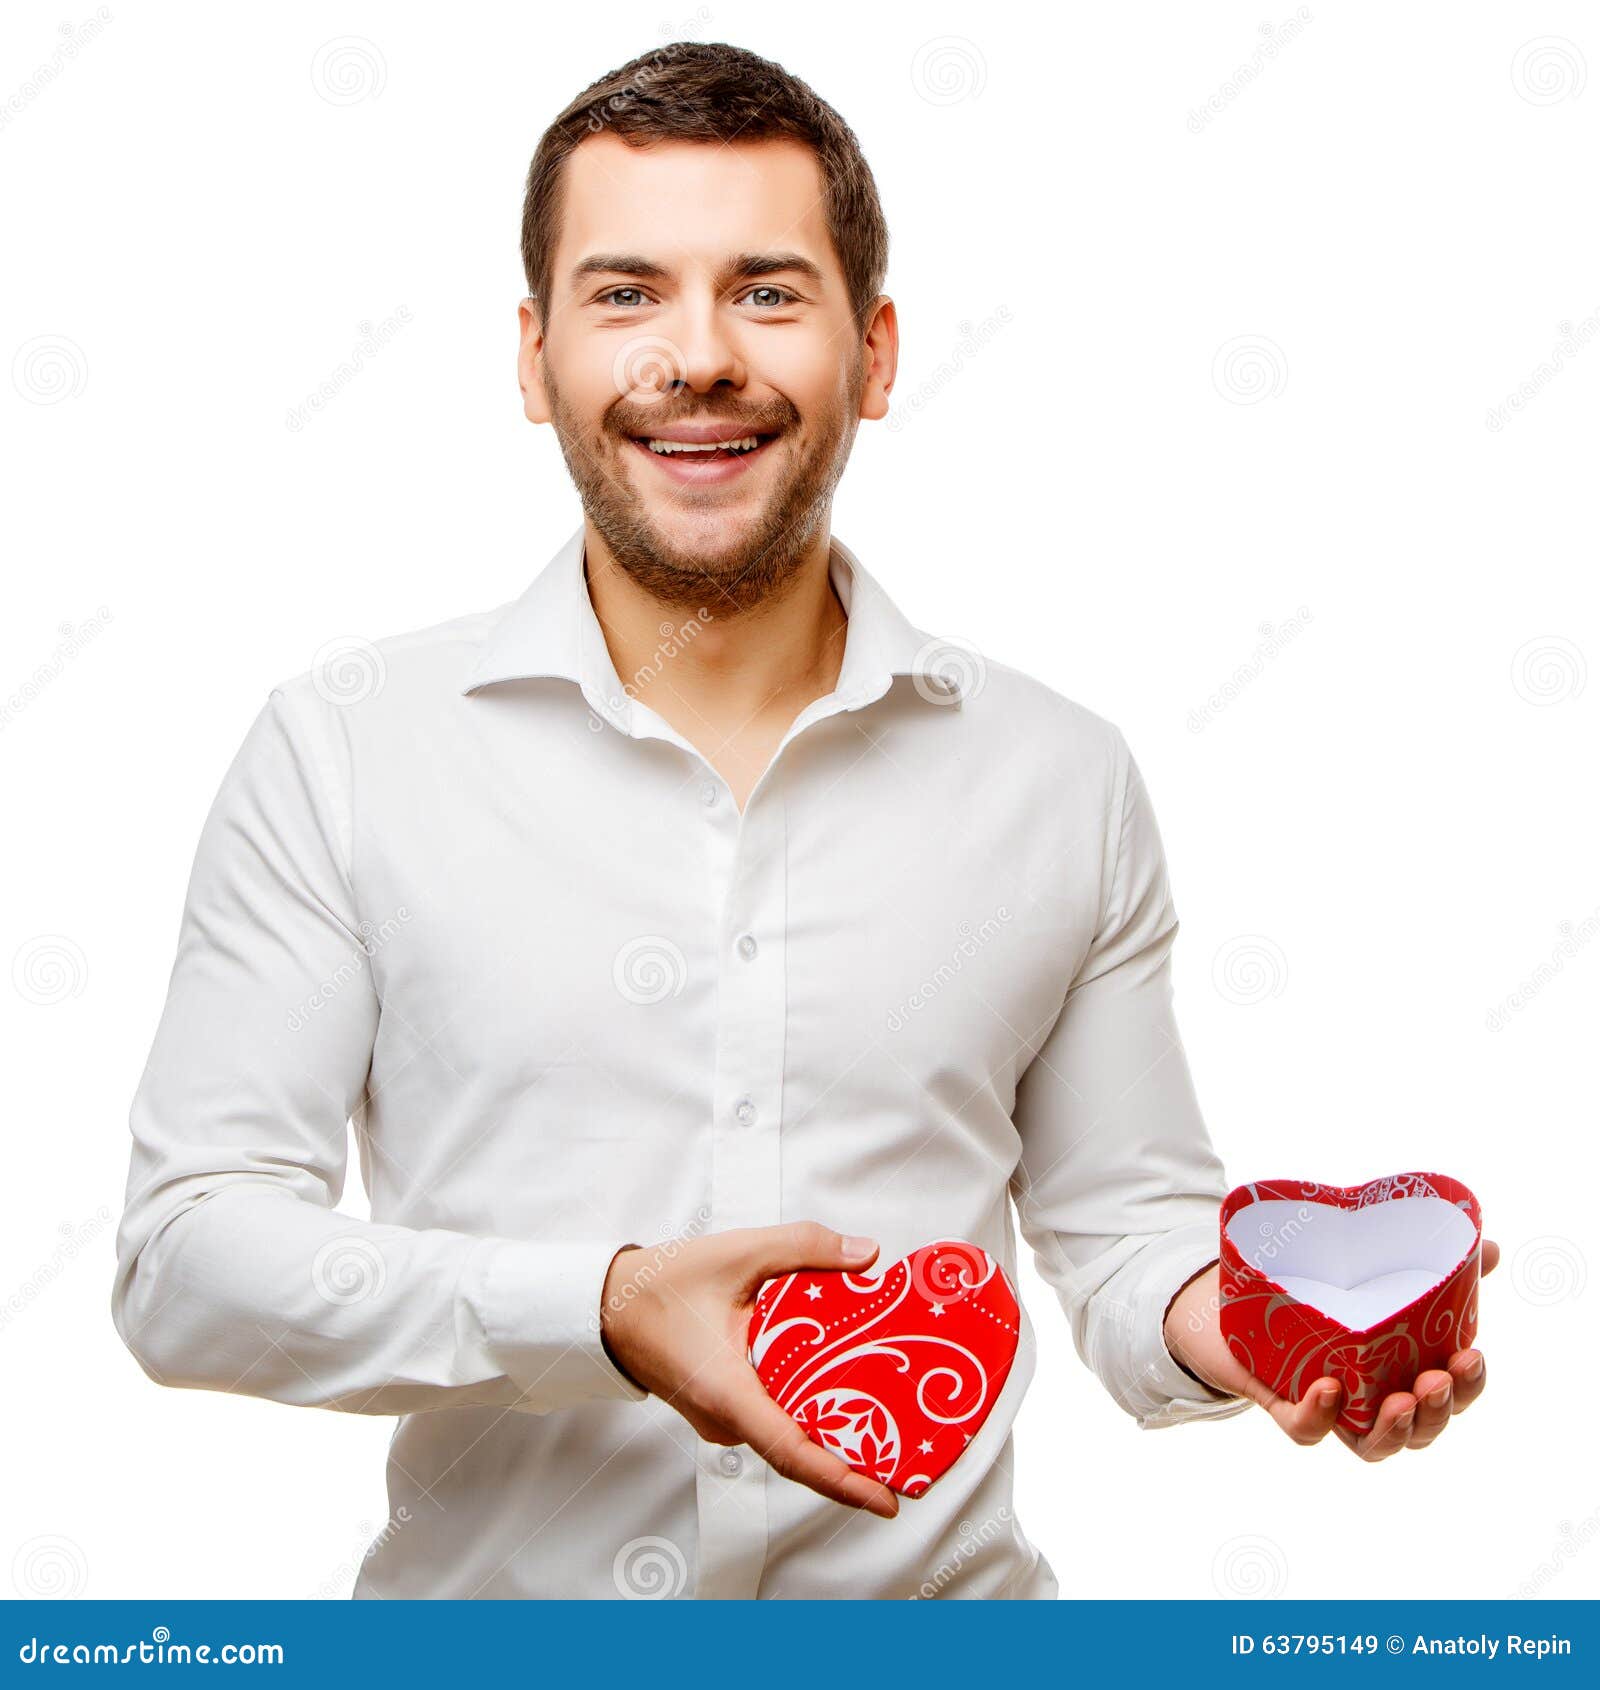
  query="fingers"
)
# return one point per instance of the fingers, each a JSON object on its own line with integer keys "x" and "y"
{"x": 1391, "y": 1431}
{"x": 1413, "y": 1419}
{"x": 1490, "y": 1256}
{"x": 1433, "y": 1391}
{"x": 758, "y": 1421}
{"x": 1468, "y": 1374}
{"x": 762, "y": 1252}
{"x": 1311, "y": 1419}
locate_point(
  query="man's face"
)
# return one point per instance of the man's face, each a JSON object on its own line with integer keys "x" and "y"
{"x": 700, "y": 361}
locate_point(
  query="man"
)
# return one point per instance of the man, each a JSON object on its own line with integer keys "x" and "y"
{"x": 798, "y": 949}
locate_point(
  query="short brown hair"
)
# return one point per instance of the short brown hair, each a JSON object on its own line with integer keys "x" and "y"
{"x": 709, "y": 91}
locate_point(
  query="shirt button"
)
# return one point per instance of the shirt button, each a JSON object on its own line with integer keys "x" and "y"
{"x": 708, "y": 794}
{"x": 744, "y": 1112}
{"x": 747, "y": 946}
{"x": 731, "y": 1462}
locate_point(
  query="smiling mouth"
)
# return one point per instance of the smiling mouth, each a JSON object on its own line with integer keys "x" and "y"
{"x": 702, "y": 463}
{"x": 687, "y": 451}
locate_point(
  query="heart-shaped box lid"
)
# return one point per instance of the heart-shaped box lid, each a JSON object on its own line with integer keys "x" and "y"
{"x": 897, "y": 1373}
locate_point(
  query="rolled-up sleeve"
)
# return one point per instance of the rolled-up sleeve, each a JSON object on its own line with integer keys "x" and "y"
{"x": 1118, "y": 1186}
{"x": 234, "y": 1270}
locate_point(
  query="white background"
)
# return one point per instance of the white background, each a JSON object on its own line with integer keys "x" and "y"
{"x": 1255, "y": 330}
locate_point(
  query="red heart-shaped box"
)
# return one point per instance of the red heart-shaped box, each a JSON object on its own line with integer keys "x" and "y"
{"x": 893, "y": 1374}
{"x": 1368, "y": 1284}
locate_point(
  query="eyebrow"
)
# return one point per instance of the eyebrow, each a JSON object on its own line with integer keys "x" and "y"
{"x": 744, "y": 265}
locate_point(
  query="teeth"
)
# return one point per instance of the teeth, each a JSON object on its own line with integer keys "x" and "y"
{"x": 748, "y": 444}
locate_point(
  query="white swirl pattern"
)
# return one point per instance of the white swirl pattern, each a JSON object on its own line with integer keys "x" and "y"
{"x": 894, "y": 1369}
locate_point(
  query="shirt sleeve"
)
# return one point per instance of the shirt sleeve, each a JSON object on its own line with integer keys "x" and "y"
{"x": 1118, "y": 1187}
{"x": 234, "y": 1270}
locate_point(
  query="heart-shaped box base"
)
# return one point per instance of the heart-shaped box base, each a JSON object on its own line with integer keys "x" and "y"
{"x": 894, "y": 1374}
{"x": 1368, "y": 1284}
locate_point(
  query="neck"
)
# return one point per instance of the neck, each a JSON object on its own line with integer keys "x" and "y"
{"x": 771, "y": 659}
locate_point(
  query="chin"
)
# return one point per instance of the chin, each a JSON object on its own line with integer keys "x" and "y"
{"x": 709, "y": 543}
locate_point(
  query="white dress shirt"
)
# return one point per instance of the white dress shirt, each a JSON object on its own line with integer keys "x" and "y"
{"x": 469, "y": 891}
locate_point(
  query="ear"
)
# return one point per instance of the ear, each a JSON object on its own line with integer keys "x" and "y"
{"x": 530, "y": 363}
{"x": 882, "y": 357}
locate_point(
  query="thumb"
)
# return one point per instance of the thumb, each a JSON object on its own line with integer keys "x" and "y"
{"x": 763, "y": 1252}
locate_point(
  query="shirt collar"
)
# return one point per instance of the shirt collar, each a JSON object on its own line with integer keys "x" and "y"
{"x": 552, "y": 632}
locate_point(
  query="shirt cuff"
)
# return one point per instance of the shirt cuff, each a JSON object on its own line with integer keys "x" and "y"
{"x": 1164, "y": 1394}
{"x": 534, "y": 1310}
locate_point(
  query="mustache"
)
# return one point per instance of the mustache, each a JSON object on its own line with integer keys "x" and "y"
{"x": 626, "y": 418}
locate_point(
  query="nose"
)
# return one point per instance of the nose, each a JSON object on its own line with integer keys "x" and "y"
{"x": 690, "y": 350}
{"x": 710, "y": 351}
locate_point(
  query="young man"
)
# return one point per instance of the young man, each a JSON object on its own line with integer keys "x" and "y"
{"x": 795, "y": 950}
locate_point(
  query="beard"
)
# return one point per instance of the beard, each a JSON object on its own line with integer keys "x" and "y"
{"x": 751, "y": 567}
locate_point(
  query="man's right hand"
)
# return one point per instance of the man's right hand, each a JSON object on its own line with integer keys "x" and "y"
{"x": 675, "y": 1319}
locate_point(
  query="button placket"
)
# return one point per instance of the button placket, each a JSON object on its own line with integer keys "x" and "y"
{"x": 748, "y": 861}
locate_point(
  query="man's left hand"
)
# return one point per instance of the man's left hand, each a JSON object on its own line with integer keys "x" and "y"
{"x": 1406, "y": 1419}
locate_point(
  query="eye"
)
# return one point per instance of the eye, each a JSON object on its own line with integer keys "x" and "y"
{"x": 625, "y": 298}
{"x": 768, "y": 298}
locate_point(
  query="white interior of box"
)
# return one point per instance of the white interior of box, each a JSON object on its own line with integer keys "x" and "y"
{"x": 1358, "y": 1265}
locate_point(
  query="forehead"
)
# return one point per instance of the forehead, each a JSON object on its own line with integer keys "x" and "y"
{"x": 684, "y": 203}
